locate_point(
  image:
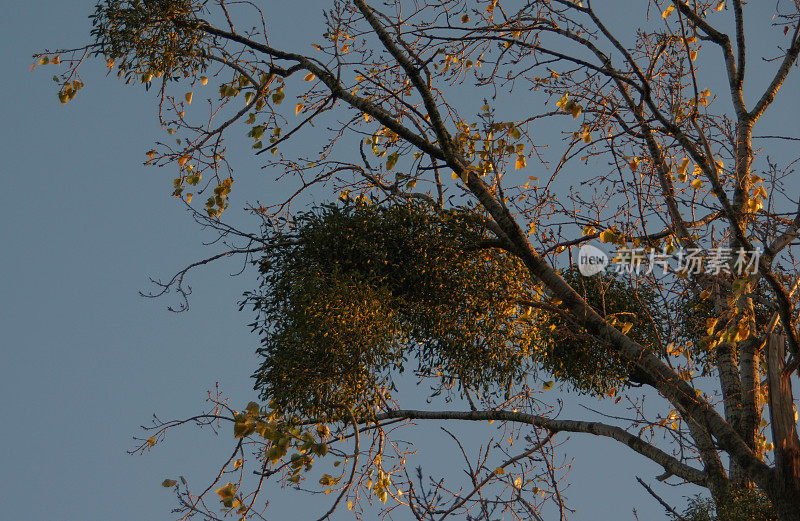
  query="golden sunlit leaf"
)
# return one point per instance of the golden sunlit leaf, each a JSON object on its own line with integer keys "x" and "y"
{"x": 547, "y": 385}
{"x": 188, "y": 96}
{"x": 298, "y": 108}
{"x": 227, "y": 492}
{"x": 168, "y": 483}
{"x": 608, "y": 235}
{"x": 520, "y": 162}
{"x": 711, "y": 323}
{"x": 309, "y": 77}
{"x": 668, "y": 11}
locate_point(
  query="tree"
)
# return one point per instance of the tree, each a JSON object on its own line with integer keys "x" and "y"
{"x": 650, "y": 158}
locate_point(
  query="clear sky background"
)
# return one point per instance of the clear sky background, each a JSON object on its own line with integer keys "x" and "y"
{"x": 85, "y": 359}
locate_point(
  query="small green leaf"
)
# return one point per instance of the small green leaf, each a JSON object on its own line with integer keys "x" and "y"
{"x": 392, "y": 160}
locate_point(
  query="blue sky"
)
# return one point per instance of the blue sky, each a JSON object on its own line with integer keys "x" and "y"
{"x": 85, "y": 359}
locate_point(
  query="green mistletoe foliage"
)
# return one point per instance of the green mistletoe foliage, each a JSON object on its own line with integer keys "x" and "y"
{"x": 357, "y": 291}
{"x": 150, "y": 38}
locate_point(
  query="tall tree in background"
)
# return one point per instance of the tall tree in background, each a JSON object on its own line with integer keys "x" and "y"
{"x": 443, "y": 254}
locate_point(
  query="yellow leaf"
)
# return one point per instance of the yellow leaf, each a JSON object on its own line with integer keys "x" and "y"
{"x": 151, "y": 441}
{"x": 720, "y": 6}
{"x": 499, "y": 471}
{"x": 189, "y": 198}
{"x": 168, "y": 483}
{"x": 464, "y": 18}
{"x": 711, "y": 323}
{"x": 203, "y": 80}
{"x": 667, "y": 11}
{"x": 309, "y": 77}
{"x": 298, "y": 108}
{"x": 188, "y": 97}
{"x": 682, "y": 167}
{"x": 547, "y": 385}
{"x": 520, "y": 162}
{"x": 608, "y": 235}
{"x": 697, "y": 184}
{"x": 227, "y": 492}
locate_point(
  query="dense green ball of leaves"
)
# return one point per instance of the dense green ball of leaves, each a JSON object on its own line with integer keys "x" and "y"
{"x": 355, "y": 292}
{"x": 740, "y": 505}
{"x": 589, "y": 364}
{"x": 153, "y": 38}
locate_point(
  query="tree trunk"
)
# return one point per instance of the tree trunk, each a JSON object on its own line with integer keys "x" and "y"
{"x": 786, "y": 496}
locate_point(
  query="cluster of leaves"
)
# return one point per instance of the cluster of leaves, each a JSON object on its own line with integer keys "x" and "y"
{"x": 740, "y": 505}
{"x": 150, "y": 38}
{"x": 359, "y": 289}
{"x": 701, "y": 329}
{"x": 573, "y": 355}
